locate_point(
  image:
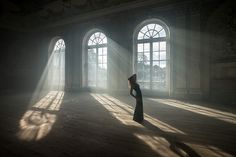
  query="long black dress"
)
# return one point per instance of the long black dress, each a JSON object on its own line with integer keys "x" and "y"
{"x": 138, "y": 112}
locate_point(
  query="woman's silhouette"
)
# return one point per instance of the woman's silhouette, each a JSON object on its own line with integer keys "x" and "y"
{"x": 138, "y": 112}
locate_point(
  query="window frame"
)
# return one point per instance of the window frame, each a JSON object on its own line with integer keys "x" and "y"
{"x": 137, "y": 41}
{"x": 85, "y": 63}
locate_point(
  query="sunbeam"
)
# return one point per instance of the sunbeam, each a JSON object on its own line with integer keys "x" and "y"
{"x": 224, "y": 116}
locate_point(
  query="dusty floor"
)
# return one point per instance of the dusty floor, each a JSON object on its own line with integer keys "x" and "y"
{"x": 88, "y": 124}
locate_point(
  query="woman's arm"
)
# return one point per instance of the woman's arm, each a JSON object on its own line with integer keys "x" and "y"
{"x": 131, "y": 93}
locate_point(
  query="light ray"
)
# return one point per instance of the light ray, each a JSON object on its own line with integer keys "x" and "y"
{"x": 224, "y": 116}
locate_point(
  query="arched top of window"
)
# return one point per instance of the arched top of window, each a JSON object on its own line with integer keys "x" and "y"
{"x": 97, "y": 39}
{"x": 151, "y": 31}
{"x": 59, "y": 46}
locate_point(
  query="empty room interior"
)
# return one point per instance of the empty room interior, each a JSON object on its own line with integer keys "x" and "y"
{"x": 118, "y": 78}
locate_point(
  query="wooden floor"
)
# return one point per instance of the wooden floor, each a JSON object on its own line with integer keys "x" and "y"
{"x": 95, "y": 124}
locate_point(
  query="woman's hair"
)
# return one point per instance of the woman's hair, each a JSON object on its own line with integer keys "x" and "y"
{"x": 132, "y": 79}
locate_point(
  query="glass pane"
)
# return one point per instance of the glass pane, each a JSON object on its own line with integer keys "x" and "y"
{"x": 146, "y": 47}
{"x": 145, "y": 85}
{"x": 105, "y": 51}
{"x": 156, "y": 46}
{"x": 155, "y": 56}
{"x": 140, "y": 56}
{"x": 158, "y": 27}
{"x": 146, "y": 35}
{"x": 90, "y": 42}
{"x": 163, "y": 45}
{"x": 104, "y": 59}
{"x": 162, "y": 33}
{"x": 100, "y": 51}
{"x": 99, "y": 66}
{"x": 99, "y": 59}
{"x": 163, "y": 55}
{"x": 144, "y": 29}
{"x": 140, "y": 47}
{"x": 155, "y": 70}
{"x": 92, "y": 37}
{"x": 102, "y": 36}
{"x": 147, "y": 71}
{"x": 97, "y": 38}
{"x": 151, "y": 26}
{"x": 146, "y": 57}
{"x": 151, "y": 32}
{"x": 140, "y": 35}
{"x": 156, "y": 35}
{"x": 92, "y": 55}
{"x": 104, "y": 41}
{"x": 140, "y": 71}
{"x": 163, "y": 64}
{"x": 92, "y": 74}
{"x": 104, "y": 66}
{"x": 102, "y": 77}
{"x": 97, "y": 34}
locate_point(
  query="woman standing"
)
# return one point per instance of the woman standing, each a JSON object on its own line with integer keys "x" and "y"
{"x": 138, "y": 112}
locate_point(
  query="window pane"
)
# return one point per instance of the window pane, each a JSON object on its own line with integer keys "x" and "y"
{"x": 156, "y": 69}
{"x": 147, "y": 71}
{"x": 90, "y": 42}
{"x": 156, "y": 46}
{"x": 144, "y": 29}
{"x": 104, "y": 41}
{"x": 99, "y": 59}
{"x": 91, "y": 55}
{"x": 140, "y": 47}
{"x": 104, "y": 66}
{"x": 163, "y": 55}
{"x": 155, "y": 56}
{"x": 163, "y": 45}
{"x": 104, "y": 51}
{"x": 156, "y": 35}
{"x": 104, "y": 59}
{"x": 163, "y": 64}
{"x": 140, "y": 35}
{"x": 151, "y": 26}
{"x": 140, "y": 56}
{"x": 99, "y": 51}
{"x": 97, "y": 38}
{"x": 146, "y": 57}
{"x": 99, "y": 66}
{"x": 158, "y": 28}
{"x": 140, "y": 70}
{"x": 146, "y": 35}
{"x": 162, "y": 33}
{"x": 91, "y": 74}
{"x": 146, "y": 47}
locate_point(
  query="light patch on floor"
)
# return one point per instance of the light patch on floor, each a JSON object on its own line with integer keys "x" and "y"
{"x": 123, "y": 112}
{"x": 209, "y": 151}
{"x": 224, "y": 116}
{"x": 114, "y": 105}
{"x": 37, "y": 122}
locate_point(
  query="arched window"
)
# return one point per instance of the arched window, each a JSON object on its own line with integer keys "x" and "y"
{"x": 152, "y": 55}
{"x": 57, "y": 66}
{"x": 97, "y": 60}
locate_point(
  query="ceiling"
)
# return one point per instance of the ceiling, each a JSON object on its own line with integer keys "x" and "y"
{"x": 25, "y": 14}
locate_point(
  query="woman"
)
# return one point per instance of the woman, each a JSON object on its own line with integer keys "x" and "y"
{"x": 138, "y": 112}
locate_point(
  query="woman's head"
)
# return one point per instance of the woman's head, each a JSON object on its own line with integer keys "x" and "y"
{"x": 132, "y": 79}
